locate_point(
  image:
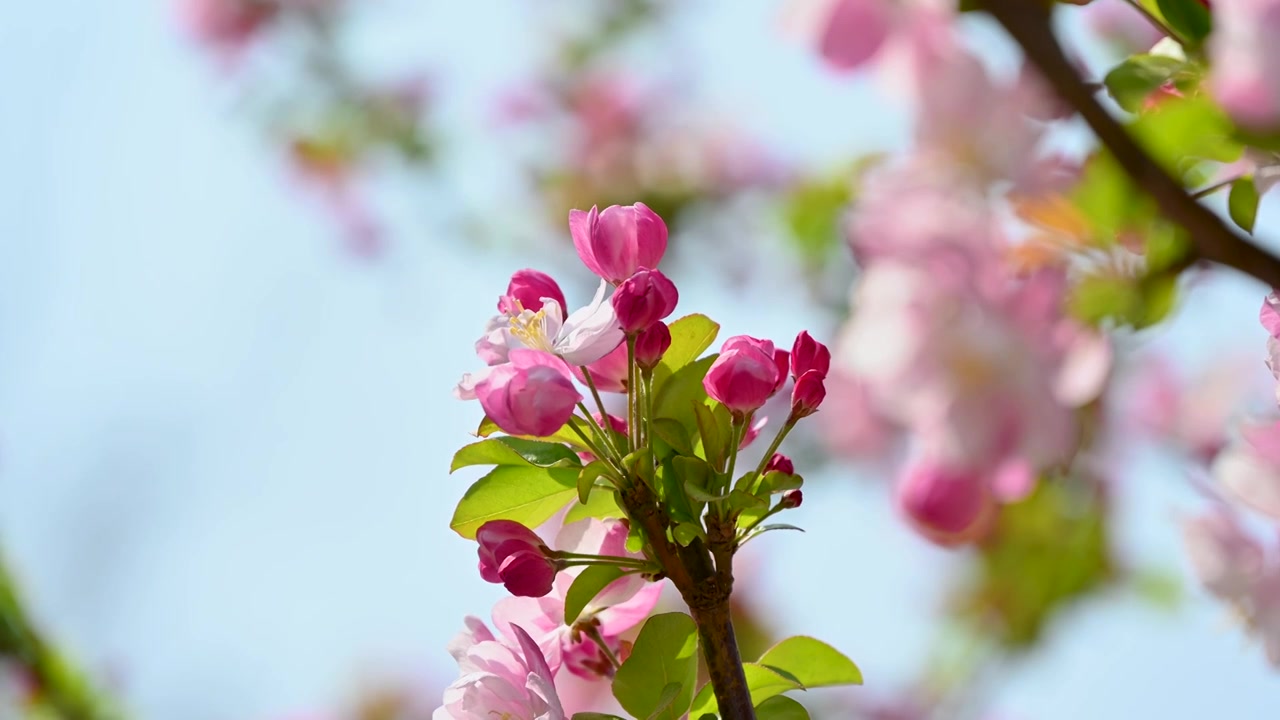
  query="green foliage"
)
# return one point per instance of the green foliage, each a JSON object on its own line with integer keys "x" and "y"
{"x": 564, "y": 435}
{"x": 1132, "y": 81}
{"x": 1046, "y": 552}
{"x": 585, "y": 587}
{"x": 763, "y": 682}
{"x": 812, "y": 214}
{"x": 691, "y": 335}
{"x": 1189, "y": 18}
{"x": 1242, "y": 203}
{"x": 781, "y": 707}
{"x": 682, "y": 392}
{"x": 1180, "y": 132}
{"x": 529, "y": 495}
{"x": 514, "y": 451}
{"x": 665, "y": 653}
{"x": 600, "y": 504}
{"x": 714, "y": 429}
{"x": 812, "y": 662}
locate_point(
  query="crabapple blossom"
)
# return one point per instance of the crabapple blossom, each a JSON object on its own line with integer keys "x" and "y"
{"x": 1249, "y": 468}
{"x": 652, "y": 344}
{"x": 529, "y": 288}
{"x": 1245, "y": 75}
{"x": 618, "y": 241}
{"x": 609, "y": 373}
{"x": 227, "y": 24}
{"x": 947, "y": 506}
{"x": 515, "y": 556}
{"x": 809, "y": 392}
{"x": 499, "y": 680}
{"x": 780, "y": 463}
{"x": 532, "y": 394}
{"x": 748, "y": 372}
{"x": 809, "y": 354}
{"x": 1225, "y": 558}
{"x": 848, "y": 33}
{"x": 643, "y": 299}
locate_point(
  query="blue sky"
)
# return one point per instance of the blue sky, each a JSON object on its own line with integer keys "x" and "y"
{"x": 223, "y": 442}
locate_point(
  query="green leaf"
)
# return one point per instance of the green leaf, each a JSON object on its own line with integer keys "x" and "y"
{"x": 690, "y": 336}
{"x": 595, "y": 716}
{"x": 687, "y": 532}
{"x": 763, "y": 682}
{"x": 781, "y": 707}
{"x": 1242, "y": 203}
{"x": 601, "y": 504}
{"x": 812, "y": 662}
{"x": 1133, "y": 80}
{"x": 665, "y": 652}
{"x": 1097, "y": 298}
{"x": 564, "y": 435}
{"x": 514, "y": 451}
{"x": 585, "y": 587}
{"x": 679, "y": 394}
{"x": 713, "y": 437}
{"x": 587, "y": 478}
{"x": 673, "y": 434}
{"x": 1189, "y": 17}
{"x": 529, "y": 495}
{"x": 1180, "y": 132}
{"x": 640, "y": 464}
{"x": 668, "y": 697}
{"x": 673, "y": 494}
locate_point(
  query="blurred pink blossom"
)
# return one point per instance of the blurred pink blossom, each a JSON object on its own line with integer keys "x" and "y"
{"x": 1246, "y": 61}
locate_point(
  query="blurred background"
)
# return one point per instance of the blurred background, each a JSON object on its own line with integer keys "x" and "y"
{"x": 241, "y": 272}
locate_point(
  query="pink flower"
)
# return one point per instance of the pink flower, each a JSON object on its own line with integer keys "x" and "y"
{"x": 515, "y": 556}
{"x": 791, "y": 499}
{"x": 529, "y": 288}
{"x": 609, "y": 373}
{"x": 1121, "y": 24}
{"x": 809, "y": 392}
{"x": 227, "y": 24}
{"x": 948, "y": 506}
{"x": 1249, "y": 468}
{"x": 615, "y": 243}
{"x": 499, "y": 680}
{"x": 643, "y": 299}
{"x": 652, "y": 344}
{"x": 1269, "y": 315}
{"x": 809, "y": 354}
{"x": 1246, "y": 61}
{"x": 748, "y": 372}
{"x": 853, "y": 425}
{"x": 621, "y": 606}
{"x": 848, "y": 33}
{"x": 1226, "y": 559}
{"x": 780, "y": 463}
{"x": 533, "y": 394}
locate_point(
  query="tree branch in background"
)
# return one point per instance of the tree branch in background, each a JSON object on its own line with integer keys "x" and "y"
{"x": 1029, "y": 23}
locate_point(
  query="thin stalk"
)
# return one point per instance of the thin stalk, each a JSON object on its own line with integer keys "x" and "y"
{"x": 633, "y": 398}
{"x": 773, "y": 448}
{"x": 735, "y": 439}
{"x": 1207, "y": 191}
{"x": 611, "y": 456}
{"x": 604, "y": 415}
{"x": 593, "y": 632}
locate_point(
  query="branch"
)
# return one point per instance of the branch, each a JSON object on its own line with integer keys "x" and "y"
{"x": 1029, "y": 23}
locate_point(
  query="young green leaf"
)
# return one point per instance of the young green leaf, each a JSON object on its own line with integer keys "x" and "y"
{"x": 585, "y": 587}
{"x": 587, "y": 478}
{"x": 713, "y": 438}
{"x": 668, "y": 697}
{"x": 1242, "y": 203}
{"x": 508, "y": 450}
{"x": 1133, "y": 80}
{"x": 781, "y": 707}
{"x": 529, "y": 495}
{"x": 812, "y": 662}
{"x": 673, "y": 434}
{"x": 678, "y": 396}
{"x": 690, "y": 336}
{"x": 601, "y": 504}
{"x": 665, "y": 652}
{"x": 687, "y": 532}
{"x": 1190, "y": 18}
{"x": 763, "y": 682}
{"x": 564, "y": 435}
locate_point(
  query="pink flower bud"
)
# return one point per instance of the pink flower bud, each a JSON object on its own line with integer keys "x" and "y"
{"x": 809, "y": 354}
{"x": 652, "y": 344}
{"x": 747, "y": 373}
{"x": 609, "y": 373}
{"x": 529, "y": 288}
{"x": 515, "y": 556}
{"x": 780, "y": 463}
{"x": 947, "y": 506}
{"x": 808, "y": 394}
{"x": 615, "y": 243}
{"x": 791, "y": 499}
{"x": 532, "y": 394}
{"x": 643, "y": 299}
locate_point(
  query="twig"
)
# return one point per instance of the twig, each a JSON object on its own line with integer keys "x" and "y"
{"x": 1029, "y": 24}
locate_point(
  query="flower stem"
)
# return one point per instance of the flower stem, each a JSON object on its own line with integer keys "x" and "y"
{"x": 593, "y": 632}
{"x": 773, "y": 448}
{"x": 604, "y": 415}
{"x": 609, "y": 454}
{"x": 633, "y": 396}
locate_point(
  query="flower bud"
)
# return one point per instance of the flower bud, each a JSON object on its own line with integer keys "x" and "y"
{"x": 615, "y": 243}
{"x": 643, "y": 299}
{"x": 949, "y": 507}
{"x": 747, "y": 373}
{"x": 808, "y": 394}
{"x": 809, "y": 354}
{"x": 652, "y": 344}
{"x": 532, "y": 394}
{"x": 515, "y": 556}
{"x": 529, "y": 288}
{"x": 791, "y": 499}
{"x": 780, "y": 463}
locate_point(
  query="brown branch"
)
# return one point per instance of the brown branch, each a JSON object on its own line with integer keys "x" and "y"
{"x": 1029, "y": 23}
